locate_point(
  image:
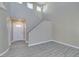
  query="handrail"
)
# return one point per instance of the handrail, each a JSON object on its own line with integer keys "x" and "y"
{"x": 36, "y": 25}
{"x": 41, "y": 20}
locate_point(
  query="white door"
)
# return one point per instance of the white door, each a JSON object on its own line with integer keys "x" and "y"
{"x": 18, "y": 32}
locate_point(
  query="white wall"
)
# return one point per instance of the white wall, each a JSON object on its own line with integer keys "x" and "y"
{"x": 66, "y": 22}
{"x": 3, "y": 30}
{"x": 41, "y": 34}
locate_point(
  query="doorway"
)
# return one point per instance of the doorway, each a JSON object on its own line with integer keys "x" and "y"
{"x": 17, "y": 30}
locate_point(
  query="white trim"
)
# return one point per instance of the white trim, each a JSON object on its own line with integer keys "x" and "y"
{"x": 8, "y": 26}
{"x": 56, "y": 42}
{"x": 4, "y": 52}
{"x": 39, "y": 43}
{"x": 70, "y": 45}
{"x": 25, "y": 33}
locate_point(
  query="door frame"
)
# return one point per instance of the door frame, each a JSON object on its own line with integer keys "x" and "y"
{"x": 10, "y": 30}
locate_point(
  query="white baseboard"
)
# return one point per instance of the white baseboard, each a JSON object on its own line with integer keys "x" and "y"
{"x": 65, "y": 44}
{"x": 4, "y": 52}
{"x": 39, "y": 43}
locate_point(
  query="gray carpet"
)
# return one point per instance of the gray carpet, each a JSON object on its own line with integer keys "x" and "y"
{"x": 50, "y": 49}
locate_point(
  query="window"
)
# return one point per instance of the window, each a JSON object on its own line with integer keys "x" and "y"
{"x": 29, "y": 5}
{"x": 44, "y": 8}
{"x": 38, "y": 8}
{"x": 18, "y": 25}
{"x": 20, "y": 2}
